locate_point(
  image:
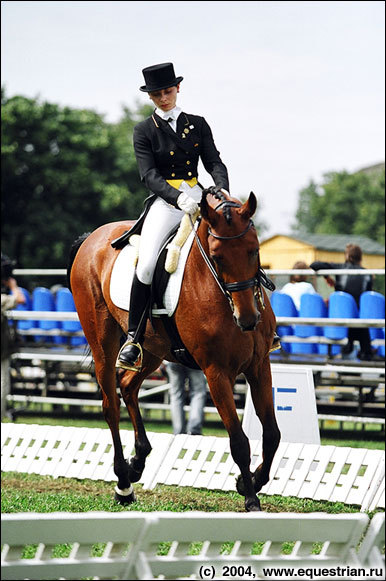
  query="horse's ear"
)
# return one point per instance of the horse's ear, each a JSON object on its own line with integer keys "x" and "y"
{"x": 249, "y": 208}
{"x": 208, "y": 213}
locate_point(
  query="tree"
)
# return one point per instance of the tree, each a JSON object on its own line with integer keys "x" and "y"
{"x": 344, "y": 204}
{"x": 308, "y": 211}
{"x": 64, "y": 171}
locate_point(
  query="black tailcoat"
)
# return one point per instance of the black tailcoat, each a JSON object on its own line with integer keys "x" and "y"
{"x": 163, "y": 154}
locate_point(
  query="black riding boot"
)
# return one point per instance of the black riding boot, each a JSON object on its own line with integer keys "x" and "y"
{"x": 139, "y": 305}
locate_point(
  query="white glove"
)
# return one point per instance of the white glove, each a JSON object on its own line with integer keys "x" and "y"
{"x": 187, "y": 204}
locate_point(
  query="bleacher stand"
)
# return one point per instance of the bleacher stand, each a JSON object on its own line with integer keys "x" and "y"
{"x": 340, "y": 305}
{"x": 372, "y": 306}
{"x": 283, "y": 306}
{"x": 311, "y": 306}
{"x": 27, "y": 306}
{"x": 65, "y": 303}
{"x": 43, "y": 300}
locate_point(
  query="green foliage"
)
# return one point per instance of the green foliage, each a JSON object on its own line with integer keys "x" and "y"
{"x": 344, "y": 204}
{"x": 64, "y": 171}
{"x": 308, "y": 211}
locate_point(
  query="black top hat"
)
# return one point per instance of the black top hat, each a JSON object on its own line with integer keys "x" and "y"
{"x": 159, "y": 77}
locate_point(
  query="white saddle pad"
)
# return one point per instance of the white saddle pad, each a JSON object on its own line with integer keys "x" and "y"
{"x": 123, "y": 272}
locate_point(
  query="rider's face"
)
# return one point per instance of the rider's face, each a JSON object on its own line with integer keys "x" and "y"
{"x": 165, "y": 99}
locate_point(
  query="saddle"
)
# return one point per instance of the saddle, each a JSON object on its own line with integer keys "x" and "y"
{"x": 165, "y": 289}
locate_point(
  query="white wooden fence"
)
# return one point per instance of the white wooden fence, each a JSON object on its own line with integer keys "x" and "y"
{"x": 224, "y": 545}
{"x": 337, "y": 474}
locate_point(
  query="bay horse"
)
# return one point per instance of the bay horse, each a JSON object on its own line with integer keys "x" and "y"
{"x": 224, "y": 319}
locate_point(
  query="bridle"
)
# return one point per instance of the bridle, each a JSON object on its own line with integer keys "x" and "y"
{"x": 228, "y": 204}
{"x": 231, "y": 287}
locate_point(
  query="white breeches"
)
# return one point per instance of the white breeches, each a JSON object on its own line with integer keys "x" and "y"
{"x": 159, "y": 222}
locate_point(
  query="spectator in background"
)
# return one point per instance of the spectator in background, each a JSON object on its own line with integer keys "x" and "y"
{"x": 298, "y": 285}
{"x": 354, "y": 285}
{"x": 11, "y": 296}
{"x": 178, "y": 376}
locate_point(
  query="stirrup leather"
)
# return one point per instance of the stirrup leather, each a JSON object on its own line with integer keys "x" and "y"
{"x": 137, "y": 366}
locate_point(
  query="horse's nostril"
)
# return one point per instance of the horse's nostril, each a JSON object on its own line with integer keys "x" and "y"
{"x": 249, "y": 328}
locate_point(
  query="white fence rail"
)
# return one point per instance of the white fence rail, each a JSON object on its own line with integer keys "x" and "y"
{"x": 337, "y": 474}
{"x": 132, "y": 542}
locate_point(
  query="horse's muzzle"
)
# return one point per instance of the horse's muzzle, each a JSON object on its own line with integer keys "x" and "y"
{"x": 248, "y": 323}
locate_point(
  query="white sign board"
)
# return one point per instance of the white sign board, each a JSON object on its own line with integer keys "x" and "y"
{"x": 294, "y": 403}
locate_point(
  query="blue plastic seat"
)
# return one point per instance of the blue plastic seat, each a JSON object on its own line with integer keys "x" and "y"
{"x": 372, "y": 306}
{"x": 43, "y": 300}
{"x": 27, "y": 306}
{"x": 311, "y": 306}
{"x": 341, "y": 305}
{"x": 65, "y": 303}
{"x": 283, "y": 306}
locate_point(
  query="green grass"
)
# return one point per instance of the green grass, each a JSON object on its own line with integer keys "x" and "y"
{"x": 34, "y": 493}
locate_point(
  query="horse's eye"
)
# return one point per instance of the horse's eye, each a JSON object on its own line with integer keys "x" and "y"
{"x": 253, "y": 253}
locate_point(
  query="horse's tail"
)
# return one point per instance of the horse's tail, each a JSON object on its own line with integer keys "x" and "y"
{"x": 73, "y": 251}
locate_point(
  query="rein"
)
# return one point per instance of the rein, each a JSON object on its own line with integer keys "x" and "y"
{"x": 210, "y": 265}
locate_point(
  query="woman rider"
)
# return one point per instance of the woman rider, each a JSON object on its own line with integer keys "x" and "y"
{"x": 168, "y": 146}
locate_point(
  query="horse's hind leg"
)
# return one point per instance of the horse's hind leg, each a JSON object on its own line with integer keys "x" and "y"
{"x": 130, "y": 383}
{"x": 261, "y": 391}
{"x": 104, "y": 344}
{"x": 221, "y": 389}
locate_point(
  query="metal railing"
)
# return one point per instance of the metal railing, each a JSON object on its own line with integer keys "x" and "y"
{"x": 269, "y": 271}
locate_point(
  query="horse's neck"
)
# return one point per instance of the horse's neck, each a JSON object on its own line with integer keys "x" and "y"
{"x": 195, "y": 259}
{"x": 202, "y": 233}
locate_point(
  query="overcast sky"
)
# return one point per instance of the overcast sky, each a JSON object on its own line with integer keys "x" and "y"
{"x": 292, "y": 90}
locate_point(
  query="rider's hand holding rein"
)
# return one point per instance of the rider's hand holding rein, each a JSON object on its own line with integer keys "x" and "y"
{"x": 168, "y": 146}
{"x": 187, "y": 204}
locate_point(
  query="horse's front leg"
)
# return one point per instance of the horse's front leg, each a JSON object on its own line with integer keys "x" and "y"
{"x": 130, "y": 383}
{"x": 106, "y": 378}
{"x": 260, "y": 381}
{"x": 221, "y": 389}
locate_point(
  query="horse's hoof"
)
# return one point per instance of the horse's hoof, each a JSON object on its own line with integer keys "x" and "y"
{"x": 124, "y": 498}
{"x": 253, "y": 506}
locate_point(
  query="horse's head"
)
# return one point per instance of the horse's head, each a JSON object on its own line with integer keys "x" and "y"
{"x": 233, "y": 248}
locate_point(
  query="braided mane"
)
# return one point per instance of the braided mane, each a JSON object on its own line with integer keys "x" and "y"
{"x": 217, "y": 193}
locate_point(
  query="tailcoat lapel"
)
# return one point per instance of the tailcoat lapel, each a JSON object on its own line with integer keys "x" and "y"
{"x": 183, "y": 128}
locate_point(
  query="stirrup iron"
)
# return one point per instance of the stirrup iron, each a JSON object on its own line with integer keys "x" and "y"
{"x": 275, "y": 347}
{"x": 137, "y": 366}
